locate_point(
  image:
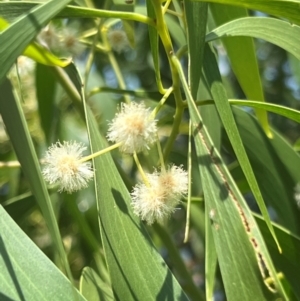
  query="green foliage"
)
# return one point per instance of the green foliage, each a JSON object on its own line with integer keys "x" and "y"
{"x": 26, "y": 273}
{"x": 211, "y": 75}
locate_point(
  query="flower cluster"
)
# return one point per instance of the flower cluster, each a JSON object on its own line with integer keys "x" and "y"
{"x": 62, "y": 41}
{"x": 133, "y": 127}
{"x": 63, "y": 166}
{"x": 157, "y": 200}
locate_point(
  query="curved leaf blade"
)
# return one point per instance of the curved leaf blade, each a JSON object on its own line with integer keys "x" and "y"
{"x": 242, "y": 56}
{"x": 37, "y": 52}
{"x": 274, "y": 108}
{"x": 276, "y": 167}
{"x": 121, "y": 230}
{"x": 93, "y": 287}
{"x": 127, "y": 245}
{"x": 11, "y": 10}
{"x": 288, "y": 9}
{"x": 196, "y": 16}
{"x": 278, "y": 32}
{"x": 13, "y": 41}
{"x": 271, "y": 107}
{"x": 218, "y": 92}
{"x": 45, "y": 92}
{"x": 288, "y": 261}
{"x": 154, "y": 45}
{"x": 43, "y": 56}
{"x": 239, "y": 244}
{"x": 18, "y": 131}
{"x": 25, "y": 269}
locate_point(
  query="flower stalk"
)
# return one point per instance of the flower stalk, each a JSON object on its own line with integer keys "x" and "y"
{"x": 163, "y": 32}
{"x": 101, "y": 152}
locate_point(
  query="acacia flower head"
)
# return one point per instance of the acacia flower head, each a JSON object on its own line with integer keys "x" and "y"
{"x": 63, "y": 166}
{"x": 157, "y": 200}
{"x": 63, "y": 41}
{"x": 70, "y": 42}
{"x": 25, "y": 66}
{"x": 49, "y": 37}
{"x": 118, "y": 40}
{"x": 134, "y": 127}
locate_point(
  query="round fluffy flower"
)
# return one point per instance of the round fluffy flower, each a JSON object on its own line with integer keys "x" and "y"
{"x": 157, "y": 200}
{"x": 70, "y": 42}
{"x": 63, "y": 41}
{"x": 133, "y": 127}
{"x": 63, "y": 166}
{"x": 49, "y": 37}
{"x": 175, "y": 181}
{"x": 118, "y": 40}
{"x": 25, "y": 66}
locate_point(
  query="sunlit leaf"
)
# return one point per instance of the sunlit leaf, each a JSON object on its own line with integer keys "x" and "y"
{"x": 13, "y": 41}
{"x": 238, "y": 242}
{"x": 242, "y": 56}
{"x": 288, "y": 9}
{"x": 287, "y": 262}
{"x": 45, "y": 92}
{"x": 19, "y": 34}
{"x": 196, "y": 16}
{"x": 121, "y": 230}
{"x": 278, "y": 32}
{"x": 26, "y": 273}
{"x": 93, "y": 288}
{"x": 153, "y": 36}
{"x": 276, "y": 167}
{"x": 213, "y": 78}
{"x": 271, "y": 107}
{"x": 11, "y": 10}
{"x": 37, "y": 52}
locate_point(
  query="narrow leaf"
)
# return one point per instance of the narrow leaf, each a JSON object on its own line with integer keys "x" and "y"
{"x": 37, "y": 52}
{"x": 276, "y": 175}
{"x": 153, "y": 36}
{"x": 16, "y": 38}
{"x": 196, "y": 16}
{"x": 241, "y": 251}
{"x": 26, "y": 273}
{"x": 210, "y": 255}
{"x": 127, "y": 245}
{"x": 271, "y": 107}
{"x": 11, "y": 10}
{"x": 213, "y": 79}
{"x": 278, "y": 32}
{"x": 287, "y": 262}
{"x": 288, "y": 9}
{"x": 18, "y": 131}
{"x": 242, "y": 56}
{"x": 121, "y": 231}
{"x": 93, "y": 287}
{"x": 45, "y": 92}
